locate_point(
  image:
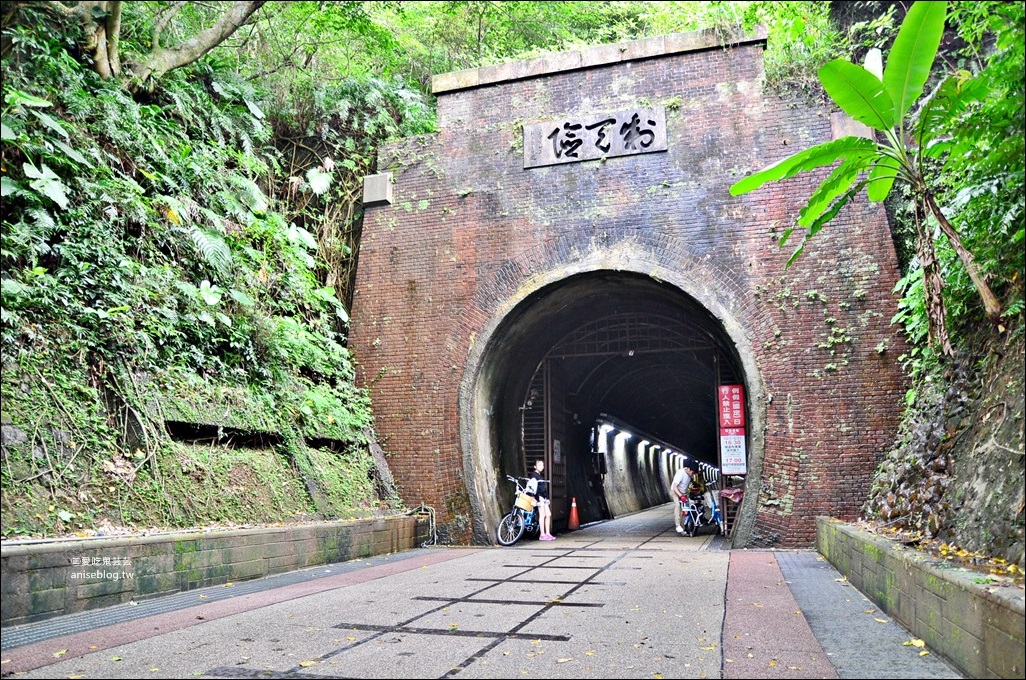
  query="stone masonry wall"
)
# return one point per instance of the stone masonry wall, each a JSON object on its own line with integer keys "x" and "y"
{"x": 43, "y": 580}
{"x": 470, "y": 227}
{"x": 976, "y": 623}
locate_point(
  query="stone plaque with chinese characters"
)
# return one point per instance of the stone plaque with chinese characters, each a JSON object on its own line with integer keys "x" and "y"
{"x": 584, "y": 138}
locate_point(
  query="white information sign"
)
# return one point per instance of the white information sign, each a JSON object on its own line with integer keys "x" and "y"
{"x": 732, "y": 454}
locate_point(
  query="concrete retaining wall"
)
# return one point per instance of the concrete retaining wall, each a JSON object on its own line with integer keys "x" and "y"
{"x": 46, "y": 579}
{"x": 979, "y": 627}
{"x": 632, "y": 484}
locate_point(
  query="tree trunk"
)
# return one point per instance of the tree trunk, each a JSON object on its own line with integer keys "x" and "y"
{"x": 98, "y": 42}
{"x": 991, "y": 305}
{"x": 101, "y": 28}
{"x": 933, "y": 284}
{"x": 113, "y": 29}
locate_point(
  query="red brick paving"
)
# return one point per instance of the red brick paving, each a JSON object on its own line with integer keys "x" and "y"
{"x": 765, "y": 634}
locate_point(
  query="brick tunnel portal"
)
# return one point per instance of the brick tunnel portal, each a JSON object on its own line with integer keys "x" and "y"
{"x": 503, "y": 257}
{"x": 609, "y": 346}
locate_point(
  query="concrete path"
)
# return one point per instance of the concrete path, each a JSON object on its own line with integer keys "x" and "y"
{"x": 621, "y": 599}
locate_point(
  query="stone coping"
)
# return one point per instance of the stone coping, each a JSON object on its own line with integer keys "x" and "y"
{"x": 977, "y": 626}
{"x": 588, "y": 57}
{"x": 49, "y": 545}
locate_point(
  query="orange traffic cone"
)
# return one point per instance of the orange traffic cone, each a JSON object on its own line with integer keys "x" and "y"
{"x": 574, "y": 522}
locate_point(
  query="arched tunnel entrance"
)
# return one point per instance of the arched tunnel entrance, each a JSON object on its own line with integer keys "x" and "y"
{"x": 489, "y": 264}
{"x": 599, "y": 348}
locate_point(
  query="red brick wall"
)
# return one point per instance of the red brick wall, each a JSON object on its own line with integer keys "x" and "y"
{"x": 470, "y": 226}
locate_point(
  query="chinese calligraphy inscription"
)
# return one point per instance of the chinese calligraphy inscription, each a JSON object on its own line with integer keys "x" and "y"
{"x": 585, "y": 138}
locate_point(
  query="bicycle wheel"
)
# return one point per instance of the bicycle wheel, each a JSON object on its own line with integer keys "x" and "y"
{"x": 689, "y": 524}
{"x": 511, "y": 528}
{"x": 531, "y": 525}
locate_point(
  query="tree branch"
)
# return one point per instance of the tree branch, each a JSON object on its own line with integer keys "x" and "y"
{"x": 162, "y": 20}
{"x": 61, "y": 8}
{"x": 161, "y": 60}
{"x": 933, "y": 284}
{"x": 100, "y": 37}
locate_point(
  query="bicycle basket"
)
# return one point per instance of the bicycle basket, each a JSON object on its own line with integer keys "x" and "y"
{"x": 525, "y": 502}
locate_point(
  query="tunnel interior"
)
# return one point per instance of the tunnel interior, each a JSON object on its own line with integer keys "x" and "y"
{"x": 605, "y": 347}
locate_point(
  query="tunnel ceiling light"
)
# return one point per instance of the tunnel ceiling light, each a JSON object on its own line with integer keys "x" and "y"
{"x": 622, "y": 434}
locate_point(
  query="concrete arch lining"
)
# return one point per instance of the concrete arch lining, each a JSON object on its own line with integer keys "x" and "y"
{"x": 479, "y": 437}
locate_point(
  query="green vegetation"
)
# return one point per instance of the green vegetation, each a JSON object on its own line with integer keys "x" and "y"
{"x": 160, "y": 265}
{"x": 181, "y": 215}
{"x": 914, "y": 151}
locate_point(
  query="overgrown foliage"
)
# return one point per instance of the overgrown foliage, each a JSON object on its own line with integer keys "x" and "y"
{"x": 326, "y": 137}
{"x": 914, "y": 149}
{"x": 144, "y": 248}
{"x": 981, "y": 183}
{"x": 152, "y": 49}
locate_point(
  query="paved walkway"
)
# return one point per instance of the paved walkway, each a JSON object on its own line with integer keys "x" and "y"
{"x": 621, "y": 599}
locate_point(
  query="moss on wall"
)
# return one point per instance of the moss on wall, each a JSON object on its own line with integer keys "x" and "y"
{"x": 84, "y": 455}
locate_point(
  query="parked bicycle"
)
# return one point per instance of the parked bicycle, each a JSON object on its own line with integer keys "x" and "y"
{"x": 522, "y": 517}
{"x": 694, "y": 514}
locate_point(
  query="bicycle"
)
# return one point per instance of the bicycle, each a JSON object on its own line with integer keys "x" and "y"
{"x": 693, "y": 517}
{"x": 522, "y": 517}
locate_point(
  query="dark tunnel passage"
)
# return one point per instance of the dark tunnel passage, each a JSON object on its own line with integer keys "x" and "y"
{"x": 618, "y": 347}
